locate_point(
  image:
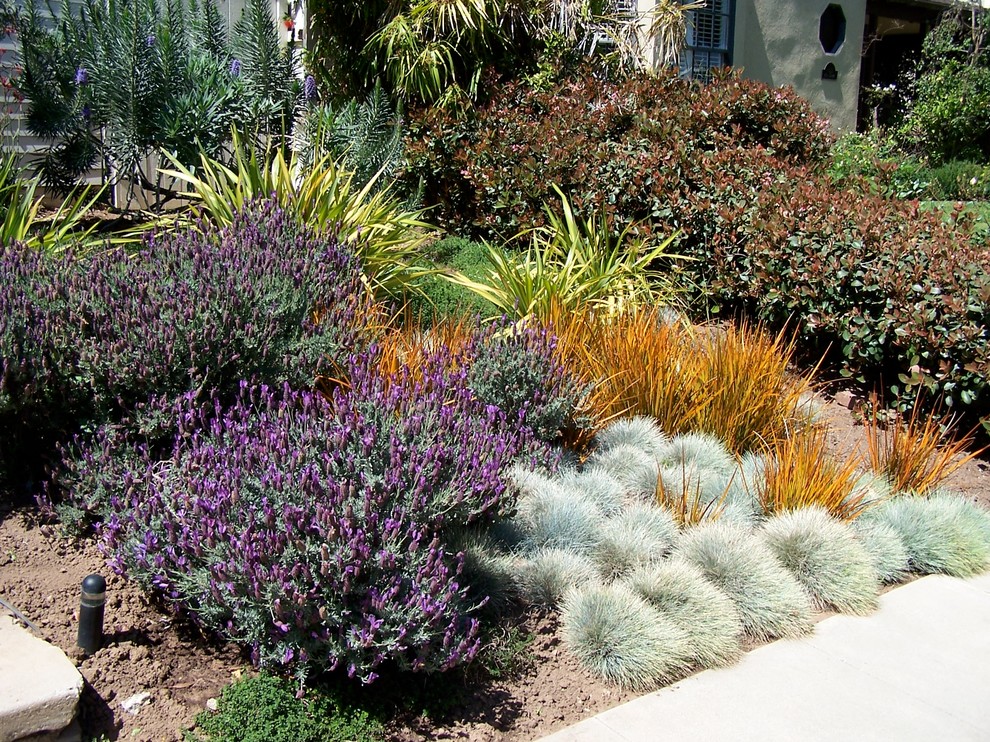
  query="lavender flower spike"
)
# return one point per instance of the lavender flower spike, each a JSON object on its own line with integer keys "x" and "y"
{"x": 309, "y": 88}
{"x": 82, "y": 76}
{"x": 235, "y": 68}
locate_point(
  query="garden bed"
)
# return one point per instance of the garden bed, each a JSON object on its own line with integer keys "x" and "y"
{"x": 542, "y": 687}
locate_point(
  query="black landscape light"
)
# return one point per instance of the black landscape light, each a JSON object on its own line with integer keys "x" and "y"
{"x": 94, "y": 593}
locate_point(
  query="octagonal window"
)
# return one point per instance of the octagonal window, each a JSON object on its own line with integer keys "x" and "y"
{"x": 832, "y": 29}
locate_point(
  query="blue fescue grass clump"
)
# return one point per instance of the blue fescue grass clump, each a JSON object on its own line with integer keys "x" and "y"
{"x": 888, "y": 555}
{"x": 825, "y": 557}
{"x": 640, "y": 534}
{"x": 700, "y": 451}
{"x": 620, "y": 637}
{"x": 554, "y": 519}
{"x": 943, "y": 533}
{"x": 597, "y": 486}
{"x": 708, "y": 617}
{"x": 639, "y": 431}
{"x": 636, "y": 470}
{"x": 547, "y": 574}
{"x": 316, "y": 531}
{"x": 770, "y": 601}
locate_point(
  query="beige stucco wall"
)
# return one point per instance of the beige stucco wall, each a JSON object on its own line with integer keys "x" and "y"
{"x": 776, "y": 41}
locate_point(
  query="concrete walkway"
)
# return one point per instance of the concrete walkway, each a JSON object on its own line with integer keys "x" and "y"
{"x": 917, "y": 669}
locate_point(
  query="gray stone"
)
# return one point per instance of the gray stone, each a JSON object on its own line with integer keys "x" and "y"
{"x": 39, "y": 686}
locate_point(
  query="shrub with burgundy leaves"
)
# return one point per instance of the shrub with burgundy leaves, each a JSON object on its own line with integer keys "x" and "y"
{"x": 315, "y": 530}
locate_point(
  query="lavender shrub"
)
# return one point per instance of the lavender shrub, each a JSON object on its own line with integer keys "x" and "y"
{"x": 315, "y": 531}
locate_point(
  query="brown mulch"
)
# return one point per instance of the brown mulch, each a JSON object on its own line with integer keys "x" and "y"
{"x": 149, "y": 650}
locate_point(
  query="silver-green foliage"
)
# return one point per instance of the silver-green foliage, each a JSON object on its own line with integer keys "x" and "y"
{"x": 942, "y": 533}
{"x": 619, "y": 636}
{"x": 554, "y": 518}
{"x": 639, "y": 431}
{"x": 641, "y": 534}
{"x": 709, "y": 618}
{"x": 771, "y": 603}
{"x": 825, "y": 557}
{"x": 704, "y": 452}
{"x": 886, "y": 549}
{"x": 635, "y": 469}
{"x": 488, "y": 570}
{"x": 545, "y": 577}
{"x": 597, "y": 486}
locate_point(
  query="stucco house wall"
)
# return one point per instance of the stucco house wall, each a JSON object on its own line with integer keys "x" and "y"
{"x": 777, "y": 41}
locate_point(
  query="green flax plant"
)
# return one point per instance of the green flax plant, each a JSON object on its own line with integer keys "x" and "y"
{"x": 571, "y": 263}
{"x": 386, "y": 236}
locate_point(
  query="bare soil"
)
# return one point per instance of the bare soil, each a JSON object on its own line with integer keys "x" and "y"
{"x": 149, "y": 650}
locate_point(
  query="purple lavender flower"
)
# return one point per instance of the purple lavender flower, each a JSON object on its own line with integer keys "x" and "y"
{"x": 235, "y": 68}
{"x": 86, "y": 113}
{"x": 82, "y": 76}
{"x": 150, "y": 41}
{"x": 309, "y": 88}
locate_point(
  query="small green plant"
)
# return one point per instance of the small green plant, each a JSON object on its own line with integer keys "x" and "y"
{"x": 709, "y": 618}
{"x": 265, "y": 709}
{"x": 619, "y": 636}
{"x": 825, "y": 557}
{"x": 505, "y": 653}
{"x": 770, "y": 601}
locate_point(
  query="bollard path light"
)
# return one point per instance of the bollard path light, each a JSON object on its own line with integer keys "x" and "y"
{"x": 94, "y": 591}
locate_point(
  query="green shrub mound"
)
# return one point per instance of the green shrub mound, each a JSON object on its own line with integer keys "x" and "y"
{"x": 887, "y": 552}
{"x": 943, "y": 534}
{"x": 825, "y": 557}
{"x": 771, "y": 603}
{"x": 639, "y": 535}
{"x": 265, "y": 709}
{"x": 622, "y": 638}
{"x": 553, "y": 519}
{"x": 545, "y": 577}
{"x": 709, "y": 618}
{"x": 596, "y": 485}
{"x": 639, "y": 431}
{"x": 635, "y": 469}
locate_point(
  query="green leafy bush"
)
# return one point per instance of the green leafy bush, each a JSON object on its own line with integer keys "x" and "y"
{"x": 439, "y": 298}
{"x": 951, "y": 113}
{"x": 959, "y": 180}
{"x": 265, "y": 709}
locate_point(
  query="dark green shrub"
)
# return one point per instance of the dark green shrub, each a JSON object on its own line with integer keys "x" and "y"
{"x": 265, "y": 709}
{"x": 444, "y": 299}
{"x": 960, "y": 180}
{"x": 630, "y": 147}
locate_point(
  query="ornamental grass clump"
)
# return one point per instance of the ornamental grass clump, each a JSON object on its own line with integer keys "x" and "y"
{"x": 889, "y": 556}
{"x": 915, "y": 454}
{"x": 553, "y": 518}
{"x": 315, "y": 531}
{"x": 707, "y": 616}
{"x": 547, "y": 574}
{"x": 943, "y": 533}
{"x": 825, "y": 557}
{"x": 617, "y": 635}
{"x": 636, "y": 470}
{"x": 597, "y": 486}
{"x": 641, "y": 534}
{"x": 800, "y": 473}
{"x": 638, "y": 431}
{"x": 770, "y": 601}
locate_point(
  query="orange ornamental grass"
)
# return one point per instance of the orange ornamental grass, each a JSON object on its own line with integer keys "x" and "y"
{"x": 800, "y": 473}
{"x": 916, "y": 454}
{"x": 728, "y": 381}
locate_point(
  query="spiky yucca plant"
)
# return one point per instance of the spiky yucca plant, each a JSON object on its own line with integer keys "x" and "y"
{"x": 547, "y": 574}
{"x": 709, "y": 618}
{"x": 825, "y": 557}
{"x": 915, "y": 454}
{"x": 800, "y": 472}
{"x": 622, "y": 638}
{"x": 942, "y": 533}
{"x": 640, "y": 534}
{"x": 770, "y": 601}
{"x": 887, "y": 552}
